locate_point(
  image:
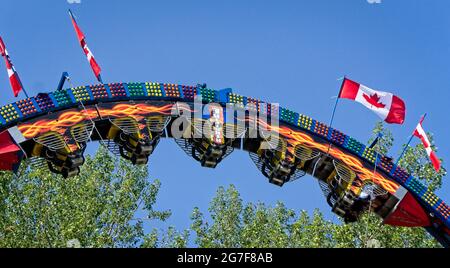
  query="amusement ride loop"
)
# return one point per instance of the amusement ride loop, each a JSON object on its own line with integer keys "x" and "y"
{"x": 131, "y": 118}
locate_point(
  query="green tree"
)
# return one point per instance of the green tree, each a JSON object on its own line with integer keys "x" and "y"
{"x": 235, "y": 224}
{"x": 170, "y": 238}
{"x": 226, "y": 212}
{"x": 95, "y": 209}
{"x": 386, "y": 138}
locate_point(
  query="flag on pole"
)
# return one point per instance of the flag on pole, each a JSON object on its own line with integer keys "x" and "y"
{"x": 90, "y": 57}
{"x": 2, "y": 47}
{"x": 13, "y": 76}
{"x": 386, "y": 105}
{"x": 420, "y": 133}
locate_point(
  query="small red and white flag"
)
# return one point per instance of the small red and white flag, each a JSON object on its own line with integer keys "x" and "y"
{"x": 420, "y": 133}
{"x": 13, "y": 76}
{"x": 386, "y": 105}
{"x": 2, "y": 47}
{"x": 90, "y": 57}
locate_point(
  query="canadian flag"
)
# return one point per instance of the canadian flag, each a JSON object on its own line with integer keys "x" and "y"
{"x": 420, "y": 133}
{"x": 90, "y": 57}
{"x": 386, "y": 105}
{"x": 12, "y": 74}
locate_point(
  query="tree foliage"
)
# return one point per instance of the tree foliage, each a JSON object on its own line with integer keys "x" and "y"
{"x": 95, "y": 209}
{"x": 236, "y": 224}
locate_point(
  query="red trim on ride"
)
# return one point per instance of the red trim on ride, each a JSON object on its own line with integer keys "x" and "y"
{"x": 9, "y": 152}
{"x": 408, "y": 213}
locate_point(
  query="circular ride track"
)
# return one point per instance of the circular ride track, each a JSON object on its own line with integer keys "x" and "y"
{"x": 131, "y": 118}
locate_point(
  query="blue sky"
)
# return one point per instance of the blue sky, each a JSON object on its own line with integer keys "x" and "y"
{"x": 290, "y": 52}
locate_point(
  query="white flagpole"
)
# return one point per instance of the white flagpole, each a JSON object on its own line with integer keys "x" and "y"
{"x": 334, "y": 109}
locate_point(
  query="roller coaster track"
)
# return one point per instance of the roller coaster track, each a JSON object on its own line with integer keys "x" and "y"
{"x": 131, "y": 118}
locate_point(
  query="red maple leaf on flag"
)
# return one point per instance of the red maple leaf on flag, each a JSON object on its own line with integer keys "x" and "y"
{"x": 374, "y": 100}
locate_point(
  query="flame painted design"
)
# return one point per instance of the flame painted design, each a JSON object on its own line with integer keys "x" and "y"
{"x": 71, "y": 118}
{"x": 300, "y": 138}
{"x": 297, "y": 138}
{"x": 137, "y": 111}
